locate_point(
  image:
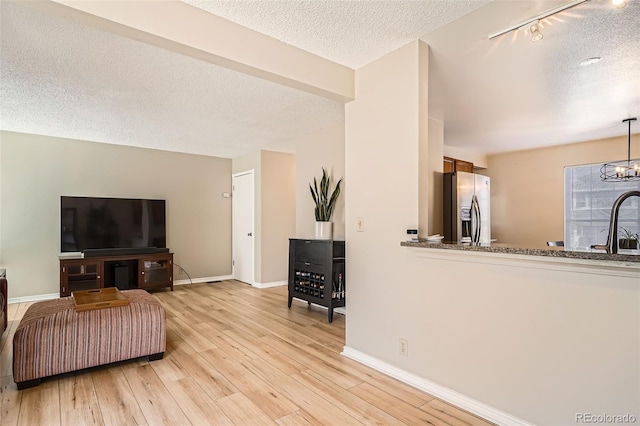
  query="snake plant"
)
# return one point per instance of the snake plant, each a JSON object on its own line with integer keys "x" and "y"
{"x": 626, "y": 234}
{"x": 324, "y": 202}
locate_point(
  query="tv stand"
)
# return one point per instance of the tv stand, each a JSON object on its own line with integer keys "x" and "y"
{"x": 122, "y": 251}
{"x": 145, "y": 271}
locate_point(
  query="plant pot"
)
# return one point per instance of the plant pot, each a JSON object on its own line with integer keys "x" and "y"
{"x": 324, "y": 230}
{"x": 628, "y": 244}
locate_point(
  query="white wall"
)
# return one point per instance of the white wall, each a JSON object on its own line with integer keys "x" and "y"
{"x": 37, "y": 170}
{"x": 323, "y": 148}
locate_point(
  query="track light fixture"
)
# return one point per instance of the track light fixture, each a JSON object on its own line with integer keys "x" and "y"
{"x": 535, "y": 21}
{"x": 536, "y": 33}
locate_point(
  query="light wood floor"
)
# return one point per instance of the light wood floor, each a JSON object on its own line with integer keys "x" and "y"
{"x": 235, "y": 355}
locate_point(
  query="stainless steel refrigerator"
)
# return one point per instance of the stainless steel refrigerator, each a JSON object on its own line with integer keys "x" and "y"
{"x": 467, "y": 208}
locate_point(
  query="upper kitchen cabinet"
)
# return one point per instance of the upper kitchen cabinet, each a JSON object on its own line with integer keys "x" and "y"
{"x": 451, "y": 165}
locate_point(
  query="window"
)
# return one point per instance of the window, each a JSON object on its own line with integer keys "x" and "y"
{"x": 587, "y": 207}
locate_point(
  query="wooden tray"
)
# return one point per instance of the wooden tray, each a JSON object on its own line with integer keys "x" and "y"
{"x": 88, "y": 300}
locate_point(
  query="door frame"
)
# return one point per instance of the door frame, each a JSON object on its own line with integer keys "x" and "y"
{"x": 233, "y": 220}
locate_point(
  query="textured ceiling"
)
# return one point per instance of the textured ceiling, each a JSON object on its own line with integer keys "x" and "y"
{"x": 63, "y": 78}
{"x": 509, "y": 93}
{"x": 351, "y": 33}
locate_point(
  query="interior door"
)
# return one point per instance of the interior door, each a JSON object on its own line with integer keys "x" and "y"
{"x": 242, "y": 206}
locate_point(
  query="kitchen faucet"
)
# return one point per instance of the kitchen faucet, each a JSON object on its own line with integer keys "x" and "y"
{"x": 612, "y": 239}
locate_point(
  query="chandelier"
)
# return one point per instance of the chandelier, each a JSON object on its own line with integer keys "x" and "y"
{"x": 620, "y": 171}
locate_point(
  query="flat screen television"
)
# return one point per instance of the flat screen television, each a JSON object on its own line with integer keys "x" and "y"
{"x": 107, "y": 223}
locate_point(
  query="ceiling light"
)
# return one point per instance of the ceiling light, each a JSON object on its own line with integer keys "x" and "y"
{"x": 619, "y": 3}
{"x": 621, "y": 171}
{"x": 590, "y": 61}
{"x": 536, "y": 34}
{"x": 535, "y": 20}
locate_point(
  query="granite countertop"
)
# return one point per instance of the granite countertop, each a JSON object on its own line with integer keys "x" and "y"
{"x": 558, "y": 252}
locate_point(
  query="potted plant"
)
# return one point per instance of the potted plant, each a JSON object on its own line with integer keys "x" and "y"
{"x": 628, "y": 239}
{"x": 325, "y": 204}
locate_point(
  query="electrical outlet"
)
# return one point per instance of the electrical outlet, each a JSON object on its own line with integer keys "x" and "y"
{"x": 180, "y": 271}
{"x": 360, "y": 224}
{"x": 404, "y": 347}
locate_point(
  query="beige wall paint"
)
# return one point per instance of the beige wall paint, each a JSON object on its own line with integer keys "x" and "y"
{"x": 245, "y": 163}
{"x": 382, "y": 148}
{"x": 426, "y": 148}
{"x": 435, "y": 168}
{"x": 517, "y": 336}
{"x": 275, "y": 214}
{"x": 323, "y": 148}
{"x": 480, "y": 329}
{"x": 278, "y": 214}
{"x": 37, "y": 170}
{"x": 1, "y": 189}
{"x": 527, "y": 187}
{"x": 478, "y": 159}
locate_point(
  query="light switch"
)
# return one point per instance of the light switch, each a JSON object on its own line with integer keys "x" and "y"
{"x": 360, "y": 224}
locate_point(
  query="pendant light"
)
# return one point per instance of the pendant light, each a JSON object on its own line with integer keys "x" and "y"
{"x": 622, "y": 171}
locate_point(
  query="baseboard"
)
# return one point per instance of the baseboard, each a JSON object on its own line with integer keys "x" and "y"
{"x": 50, "y": 296}
{"x": 230, "y": 277}
{"x": 36, "y": 298}
{"x": 270, "y": 284}
{"x": 203, "y": 280}
{"x": 441, "y": 392}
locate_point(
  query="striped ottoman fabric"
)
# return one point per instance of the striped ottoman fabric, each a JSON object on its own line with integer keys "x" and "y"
{"x": 53, "y": 338}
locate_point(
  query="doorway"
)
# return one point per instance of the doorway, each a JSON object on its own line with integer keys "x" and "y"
{"x": 242, "y": 210}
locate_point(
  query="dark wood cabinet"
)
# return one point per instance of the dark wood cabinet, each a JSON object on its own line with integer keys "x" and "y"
{"x": 448, "y": 165}
{"x": 4, "y": 296}
{"x": 145, "y": 271}
{"x": 317, "y": 273}
{"x": 452, "y": 165}
{"x": 79, "y": 274}
{"x": 156, "y": 271}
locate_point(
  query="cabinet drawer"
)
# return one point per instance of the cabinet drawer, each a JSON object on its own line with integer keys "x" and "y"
{"x": 311, "y": 252}
{"x": 308, "y": 266}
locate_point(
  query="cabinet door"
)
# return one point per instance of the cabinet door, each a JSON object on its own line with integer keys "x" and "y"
{"x": 155, "y": 271}
{"x": 451, "y": 165}
{"x": 464, "y": 166}
{"x": 448, "y": 165}
{"x": 80, "y": 275}
{"x": 312, "y": 252}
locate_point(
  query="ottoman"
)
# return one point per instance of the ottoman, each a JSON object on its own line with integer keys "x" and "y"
{"x": 52, "y": 338}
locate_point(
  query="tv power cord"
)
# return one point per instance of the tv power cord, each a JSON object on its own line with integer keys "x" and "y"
{"x": 185, "y": 271}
